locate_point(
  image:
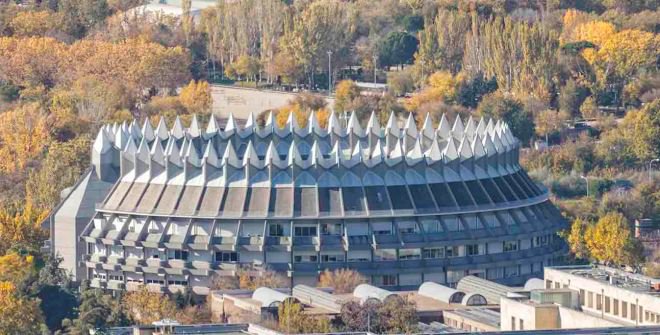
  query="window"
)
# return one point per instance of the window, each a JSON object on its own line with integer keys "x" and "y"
{"x": 179, "y": 254}
{"x": 116, "y": 277}
{"x": 90, "y": 248}
{"x": 225, "y": 256}
{"x": 607, "y": 304}
{"x": 522, "y": 325}
{"x": 581, "y": 297}
{"x": 599, "y": 302}
{"x": 305, "y": 231}
{"x": 275, "y": 229}
{"x": 305, "y": 258}
{"x": 177, "y": 282}
{"x": 513, "y": 323}
{"x": 332, "y": 258}
{"x": 548, "y": 285}
{"x": 385, "y": 255}
{"x": 99, "y": 275}
{"x": 633, "y": 312}
{"x": 431, "y": 253}
{"x": 624, "y": 309}
{"x": 451, "y": 252}
{"x": 331, "y": 229}
{"x": 615, "y": 306}
{"x": 590, "y": 299}
{"x": 407, "y": 254}
{"x": 388, "y": 280}
{"x": 472, "y": 249}
{"x": 510, "y": 246}
{"x": 155, "y": 281}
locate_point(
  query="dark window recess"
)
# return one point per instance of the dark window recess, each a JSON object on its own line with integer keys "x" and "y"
{"x": 399, "y": 196}
{"x": 329, "y": 200}
{"x": 522, "y": 195}
{"x": 304, "y": 231}
{"x": 377, "y": 199}
{"x": 535, "y": 188}
{"x": 353, "y": 199}
{"x": 180, "y": 254}
{"x": 275, "y": 229}
{"x": 492, "y": 190}
{"x": 305, "y": 201}
{"x": 461, "y": 194}
{"x": 221, "y": 256}
{"x": 477, "y": 192}
{"x": 508, "y": 193}
{"x": 422, "y": 197}
{"x": 443, "y": 195}
{"x": 523, "y": 184}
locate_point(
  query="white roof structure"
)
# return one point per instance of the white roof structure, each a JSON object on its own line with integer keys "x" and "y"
{"x": 366, "y": 292}
{"x": 440, "y": 292}
{"x": 270, "y": 298}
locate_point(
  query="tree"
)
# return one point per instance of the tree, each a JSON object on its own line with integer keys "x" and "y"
{"x": 345, "y": 92}
{"x": 79, "y": 16}
{"x": 471, "y": 91}
{"x": 398, "y": 48}
{"x": 264, "y": 278}
{"x": 15, "y": 268}
{"x": 442, "y": 86}
{"x": 293, "y": 320}
{"x": 548, "y": 122}
{"x": 24, "y": 136}
{"x": 63, "y": 165}
{"x": 145, "y": 307}
{"x": 18, "y": 315}
{"x": 589, "y": 108}
{"x": 399, "y": 315}
{"x": 610, "y": 241}
{"x": 571, "y": 97}
{"x": 400, "y": 82}
{"x": 442, "y": 43}
{"x": 32, "y": 23}
{"x": 576, "y": 239}
{"x": 341, "y": 280}
{"x": 506, "y": 108}
{"x": 196, "y": 97}
{"x": 21, "y": 225}
{"x": 31, "y": 61}
{"x": 97, "y": 311}
{"x": 187, "y": 23}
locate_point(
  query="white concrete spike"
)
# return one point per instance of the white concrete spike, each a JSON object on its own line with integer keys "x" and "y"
{"x": 210, "y": 155}
{"x": 184, "y": 148}
{"x": 148, "y": 130}
{"x": 499, "y": 145}
{"x": 355, "y": 157}
{"x": 270, "y": 120}
{"x": 115, "y": 128}
{"x": 230, "y": 127}
{"x": 333, "y": 124}
{"x": 108, "y": 132}
{"x": 212, "y": 127}
{"x": 130, "y": 147}
{"x": 251, "y": 157}
{"x": 101, "y": 143}
{"x": 313, "y": 124}
{"x": 354, "y": 125}
{"x": 373, "y": 126}
{"x": 177, "y": 130}
{"x": 294, "y": 155}
{"x": 157, "y": 152}
{"x": 415, "y": 154}
{"x": 136, "y": 133}
{"x": 392, "y": 126}
{"x": 450, "y": 153}
{"x": 194, "y": 129}
{"x": 481, "y": 127}
{"x": 315, "y": 153}
{"x": 335, "y": 156}
{"x": 121, "y": 137}
{"x": 376, "y": 156}
{"x": 490, "y": 127}
{"x": 464, "y": 148}
{"x": 143, "y": 151}
{"x": 161, "y": 130}
{"x": 292, "y": 123}
{"x": 434, "y": 153}
{"x": 249, "y": 123}
{"x": 395, "y": 155}
{"x": 273, "y": 157}
{"x": 444, "y": 129}
{"x": 509, "y": 134}
{"x": 192, "y": 157}
{"x": 173, "y": 153}
{"x": 267, "y": 128}
{"x": 427, "y": 128}
{"x": 489, "y": 146}
{"x": 411, "y": 127}
{"x": 458, "y": 128}
{"x": 230, "y": 156}
{"x": 470, "y": 128}
{"x": 477, "y": 147}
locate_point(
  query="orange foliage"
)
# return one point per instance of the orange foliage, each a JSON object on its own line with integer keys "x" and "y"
{"x": 23, "y": 137}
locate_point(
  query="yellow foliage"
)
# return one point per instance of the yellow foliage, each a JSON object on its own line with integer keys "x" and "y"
{"x": 345, "y": 92}
{"x": 571, "y": 20}
{"x": 15, "y": 268}
{"x": 196, "y": 97}
{"x": 23, "y": 137}
{"x": 342, "y": 280}
{"x": 441, "y": 86}
{"x": 145, "y": 307}
{"x": 293, "y": 320}
{"x": 18, "y": 315}
{"x": 21, "y": 226}
{"x": 609, "y": 239}
{"x": 283, "y": 115}
{"x": 32, "y": 23}
{"x": 31, "y": 61}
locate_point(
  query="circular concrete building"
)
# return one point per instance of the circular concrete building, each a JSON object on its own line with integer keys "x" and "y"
{"x": 169, "y": 208}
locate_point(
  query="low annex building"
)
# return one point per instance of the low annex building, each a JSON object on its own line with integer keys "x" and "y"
{"x": 171, "y": 207}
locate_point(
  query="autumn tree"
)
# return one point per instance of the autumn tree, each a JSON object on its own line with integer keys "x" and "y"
{"x": 442, "y": 42}
{"x": 576, "y": 239}
{"x": 345, "y": 92}
{"x": 32, "y": 23}
{"x": 31, "y": 61}
{"x": 18, "y": 315}
{"x": 145, "y": 307}
{"x": 341, "y": 280}
{"x": 15, "y": 268}
{"x": 293, "y": 320}
{"x": 589, "y": 108}
{"x": 21, "y": 225}
{"x": 196, "y": 97}
{"x": 548, "y": 122}
{"x": 23, "y": 136}
{"x": 441, "y": 86}
{"x": 610, "y": 241}
{"x": 396, "y": 315}
{"x": 251, "y": 279}
{"x": 506, "y": 108}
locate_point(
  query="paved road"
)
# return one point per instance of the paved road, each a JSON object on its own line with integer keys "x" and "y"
{"x": 242, "y": 101}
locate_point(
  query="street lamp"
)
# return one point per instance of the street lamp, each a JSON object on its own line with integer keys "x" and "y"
{"x": 329, "y": 72}
{"x": 375, "y": 60}
{"x": 655, "y": 160}
{"x": 587, "y": 180}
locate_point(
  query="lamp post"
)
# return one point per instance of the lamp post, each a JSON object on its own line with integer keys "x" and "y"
{"x": 586, "y": 180}
{"x": 329, "y": 72}
{"x": 375, "y": 60}
{"x": 655, "y": 160}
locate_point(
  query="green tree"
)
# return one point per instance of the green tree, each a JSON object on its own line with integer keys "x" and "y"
{"x": 97, "y": 311}
{"x": 506, "y": 108}
{"x": 398, "y": 48}
{"x": 442, "y": 42}
{"x": 79, "y": 16}
{"x": 293, "y": 320}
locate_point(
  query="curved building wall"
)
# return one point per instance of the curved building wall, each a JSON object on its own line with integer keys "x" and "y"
{"x": 400, "y": 205}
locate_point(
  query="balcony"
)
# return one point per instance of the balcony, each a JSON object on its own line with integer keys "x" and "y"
{"x": 117, "y": 260}
{"x": 116, "y": 285}
{"x": 358, "y": 242}
{"x": 134, "y": 286}
{"x": 253, "y": 243}
{"x": 331, "y": 242}
{"x": 155, "y": 262}
{"x": 133, "y": 261}
{"x": 412, "y": 238}
{"x": 155, "y": 288}
{"x": 98, "y": 258}
{"x": 386, "y": 240}
{"x": 278, "y": 243}
{"x": 97, "y": 283}
{"x": 308, "y": 243}
{"x": 205, "y": 265}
